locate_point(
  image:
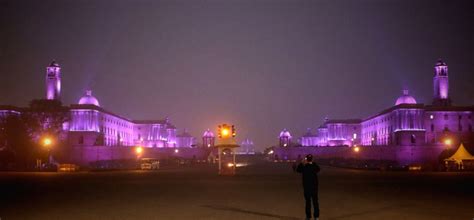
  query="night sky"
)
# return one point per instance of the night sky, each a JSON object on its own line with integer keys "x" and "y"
{"x": 263, "y": 65}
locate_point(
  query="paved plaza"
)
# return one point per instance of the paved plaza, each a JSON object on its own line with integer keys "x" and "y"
{"x": 262, "y": 191}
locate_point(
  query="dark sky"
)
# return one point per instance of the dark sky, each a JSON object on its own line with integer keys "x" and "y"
{"x": 263, "y": 65}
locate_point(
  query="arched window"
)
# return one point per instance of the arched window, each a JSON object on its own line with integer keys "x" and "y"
{"x": 413, "y": 139}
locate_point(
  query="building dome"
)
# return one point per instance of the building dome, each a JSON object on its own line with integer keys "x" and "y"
{"x": 440, "y": 62}
{"x": 88, "y": 99}
{"x": 208, "y": 133}
{"x": 285, "y": 133}
{"x": 405, "y": 99}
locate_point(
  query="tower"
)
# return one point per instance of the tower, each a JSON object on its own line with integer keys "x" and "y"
{"x": 53, "y": 81}
{"x": 285, "y": 138}
{"x": 208, "y": 139}
{"x": 441, "y": 84}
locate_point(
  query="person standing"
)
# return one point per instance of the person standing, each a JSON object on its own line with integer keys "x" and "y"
{"x": 309, "y": 171}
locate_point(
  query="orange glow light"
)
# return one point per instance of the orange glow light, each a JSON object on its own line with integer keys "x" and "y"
{"x": 225, "y": 132}
{"x": 47, "y": 142}
{"x": 139, "y": 150}
{"x": 448, "y": 142}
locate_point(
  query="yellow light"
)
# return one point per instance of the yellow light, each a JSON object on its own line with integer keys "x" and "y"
{"x": 448, "y": 142}
{"x": 230, "y": 164}
{"x": 47, "y": 142}
{"x": 139, "y": 150}
{"x": 225, "y": 132}
{"x": 356, "y": 149}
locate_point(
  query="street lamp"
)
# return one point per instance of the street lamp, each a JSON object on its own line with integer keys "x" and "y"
{"x": 47, "y": 142}
{"x": 448, "y": 142}
{"x": 139, "y": 150}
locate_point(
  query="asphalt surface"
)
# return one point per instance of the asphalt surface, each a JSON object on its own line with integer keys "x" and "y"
{"x": 264, "y": 191}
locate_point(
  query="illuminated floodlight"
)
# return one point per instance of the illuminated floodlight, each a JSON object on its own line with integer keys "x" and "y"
{"x": 47, "y": 142}
{"x": 225, "y": 132}
{"x": 139, "y": 150}
{"x": 448, "y": 142}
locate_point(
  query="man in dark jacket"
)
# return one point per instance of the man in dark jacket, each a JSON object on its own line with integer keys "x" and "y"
{"x": 309, "y": 171}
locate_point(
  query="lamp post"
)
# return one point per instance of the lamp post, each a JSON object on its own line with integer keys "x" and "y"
{"x": 47, "y": 143}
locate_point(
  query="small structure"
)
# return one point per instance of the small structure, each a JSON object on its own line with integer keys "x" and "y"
{"x": 460, "y": 159}
{"x": 226, "y": 149}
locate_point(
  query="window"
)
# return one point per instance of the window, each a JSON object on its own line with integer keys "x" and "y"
{"x": 413, "y": 139}
{"x": 432, "y": 127}
{"x": 81, "y": 140}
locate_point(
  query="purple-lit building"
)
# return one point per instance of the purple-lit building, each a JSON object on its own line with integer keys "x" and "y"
{"x": 208, "y": 139}
{"x": 407, "y": 123}
{"x": 246, "y": 147}
{"x": 92, "y": 125}
{"x": 285, "y": 138}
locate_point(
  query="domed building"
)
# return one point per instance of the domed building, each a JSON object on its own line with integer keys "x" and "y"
{"x": 88, "y": 99}
{"x": 405, "y": 99}
{"x": 208, "y": 138}
{"x": 407, "y": 123}
{"x": 285, "y": 138}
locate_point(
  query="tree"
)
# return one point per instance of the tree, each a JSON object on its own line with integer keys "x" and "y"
{"x": 16, "y": 140}
{"x": 20, "y": 134}
{"x": 46, "y": 117}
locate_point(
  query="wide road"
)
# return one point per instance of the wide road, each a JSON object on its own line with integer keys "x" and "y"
{"x": 264, "y": 191}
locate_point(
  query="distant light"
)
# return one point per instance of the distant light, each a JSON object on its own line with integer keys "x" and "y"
{"x": 431, "y": 117}
{"x": 271, "y": 152}
{"x": 448, "y": 142}
{"x": 139, "y": 150}
{"x": 354, "y": 136}
{"x": 284, "y": 145}
{"x": 47, "y": 142}
{"x": 225, "y": 132}
{"x": 373, "y": 139}
{"x": 241, "y": 164}
{"x": 208, "y": 145}
{"x": 356, "y": 149}
{"x": 230, "y": 164}
{"x": 176, "y": 150}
